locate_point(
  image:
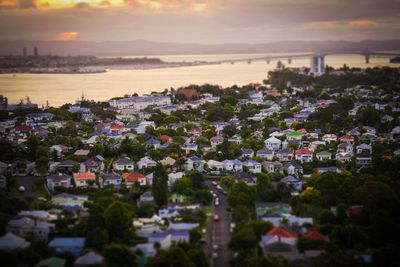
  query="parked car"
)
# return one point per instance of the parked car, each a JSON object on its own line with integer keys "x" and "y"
{"x": 21, "y": 189}
{"x": 216, "y": 217}
{"x": 215, "y": 255}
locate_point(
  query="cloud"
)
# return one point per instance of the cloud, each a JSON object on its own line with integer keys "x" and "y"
{"x": 66, "y": 36}
{"x": 363, "y": 23}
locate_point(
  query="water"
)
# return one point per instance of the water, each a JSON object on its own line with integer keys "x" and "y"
{"x": 66, "y": 88}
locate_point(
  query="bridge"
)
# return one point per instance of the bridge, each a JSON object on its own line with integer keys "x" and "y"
{"x": 290, "y": 57}
{"x": 317, "y": 58}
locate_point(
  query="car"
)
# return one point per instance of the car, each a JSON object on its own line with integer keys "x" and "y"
{"x": 21, "y": 189}
{"x": 215, "y": 255}
{"x": 216, "y": 217}
{"x": 203, "y": 241}
{"x": 215, "y": 247}
{"x": 214, "y": 183}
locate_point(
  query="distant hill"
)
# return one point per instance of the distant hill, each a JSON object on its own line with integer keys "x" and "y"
{"x": 142, "y": 47}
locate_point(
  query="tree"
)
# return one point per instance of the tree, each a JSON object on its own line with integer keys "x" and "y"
{"x": 198, "y": 257}
{"x": 118, "y": 218}
{"x": 182, "y": 184}
{"x": 160, "y": 186}
{"x": 244, "y": 238}
{"x": 119, "y": 255}
{"x": 42, "y": 165}
{"x": 97, "y": 149}
{"x": 241, "y": 194}
{"x": 32, "y": 146}
{"x": 175, "y": 256}
{"x": 197, "y": 179}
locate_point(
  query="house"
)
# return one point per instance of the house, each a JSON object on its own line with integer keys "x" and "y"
{"x": 3, "y": 182}
{"x": 146, "y": 199}
{"x": 194, "y": 163}
{"x": 263, "y": 208}
{"x": 364, "y": 149}
{"x": 345, "y": 148}
{"x": 82, "y": 152}
{"x": 146, "y": 162}
{"x": 92, "y": 165}
{"x": 274, "y": 218}
{"x": 84, "y": 179}
{"x": 40, "y": 229}
{"x": 69, "y": 201}
{"x": 153, "y": 143}
{"x": 59, "y": 150}
{"x": 343, "y": 157}
{"x": 52, "y": 262}
{"x": 123, "y": 164}
{"x": 68, "y": 166}
{"x": 72, "y": 245}
{"x": 248, "y": 177}
{"x": 272, "y": 167}
{"x": 329, "y": 138}
{"x": 142, "y": 127}
{"x": 265, "y": 153}
{"x": 189, "y": 93}
{"x": 247, "y": 153}
{"x": 59, "y": 179}
{"x": 88, "y": 259}
{"x": 9, "y": 241}
{"x": 168, "y": 161}
{"x": 293, "y": 168}
{"x": 215, "y": 165}
{"x": 347, "y": 139}
{"x": 133, "y": 177}
{"x": 304, "y": 155}
{"x": 273, "y": 143}
{"x": 112, "y": 179}
{"x": 168, "y": 213}
{"x": 216, "y": 140}
{"x": 294, "y": 136}
{"x": 236, "y": 139}
{"x": 327, "y": 169}
{"x": 323, "y": 155}
{"x": 292, "y": 182}
{"x": 253, "y": 166}
{"x": 233, "y": 165}
{"x": 173, "y": 177}
{"x": 285, "y": 155}
{"x": 190, "y": 147}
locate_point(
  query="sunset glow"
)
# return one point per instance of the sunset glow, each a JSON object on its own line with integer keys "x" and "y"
{"x": 66, "y": 36}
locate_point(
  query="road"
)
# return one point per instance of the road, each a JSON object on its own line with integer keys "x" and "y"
{"x": 218, "y": 232}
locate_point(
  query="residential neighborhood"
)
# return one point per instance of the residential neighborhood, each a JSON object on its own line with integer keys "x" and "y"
{"x": 289, "y": 172}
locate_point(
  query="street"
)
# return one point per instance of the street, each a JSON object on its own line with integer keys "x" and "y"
{"x": 218, "y": 232}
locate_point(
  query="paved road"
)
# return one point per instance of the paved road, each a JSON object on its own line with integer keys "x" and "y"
{"x": 219, "y": 231}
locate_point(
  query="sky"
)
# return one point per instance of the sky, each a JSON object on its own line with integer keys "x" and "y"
{"x": 199, "y": 21}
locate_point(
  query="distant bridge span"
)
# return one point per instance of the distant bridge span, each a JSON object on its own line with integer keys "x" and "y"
{"x": 290, "y": 57}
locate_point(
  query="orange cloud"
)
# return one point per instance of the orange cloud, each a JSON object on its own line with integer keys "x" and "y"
{"x": 66, "y": 36}
{"x": 363, "y": 23}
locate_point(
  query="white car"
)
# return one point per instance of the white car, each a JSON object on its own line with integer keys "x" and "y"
{"x": 21, "y": 189}
{"x": 215, "y": 247}
{"x": 215, "y": 255}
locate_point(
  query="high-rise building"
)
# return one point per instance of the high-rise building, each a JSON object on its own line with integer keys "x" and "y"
{"x": 24, "y": 52}
{"x": 317, "y": 65}
{"x": 35, "y": 51}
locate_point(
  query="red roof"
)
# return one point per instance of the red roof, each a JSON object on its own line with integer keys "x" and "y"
{"x": 165, "y": 137}
{"x": 347, "y": 137}
{"x": 316, "y": 235}
{"x": 188, "y": 92}
{"x": 303, "y": 131}
{"x": 280, "y": 233}
{"x": 117, "y": 127}
{"x": 24, "y": 128}
{"x": 84, "y": 176}
{"x": 303, "y": 151}
{"x": 133, "y": 176}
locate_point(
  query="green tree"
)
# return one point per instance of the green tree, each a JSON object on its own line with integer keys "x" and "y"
{"x": 197, "y": 179}
{"x": 182, "y": 184}
{"x": 118, "y": 218}
{"x": 160, "y": 185}
{"x": 119, "y": 255}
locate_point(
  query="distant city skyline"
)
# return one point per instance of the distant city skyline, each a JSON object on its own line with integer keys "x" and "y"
{"x": 203, "y": 22}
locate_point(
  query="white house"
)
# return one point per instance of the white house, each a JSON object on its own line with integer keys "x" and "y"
{"x": 253, "y": 166}
{"x": 141, "y": 128}
{"x": 146, "y": 162}
{"x": 59, "y": 179}
{"x": 273, "y": 143}
{"x": 216, "y": 140}
{"x": 265, "y": 153}
{"x": 304, "y": 155}
{"x": 215, "y": 165}
{"x": 233, "y": 165}
{"x": 123, "y": 164}
{"x": 194, "y": 163}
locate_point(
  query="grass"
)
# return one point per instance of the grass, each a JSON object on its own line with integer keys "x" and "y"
{"x": 39, "y": 187}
